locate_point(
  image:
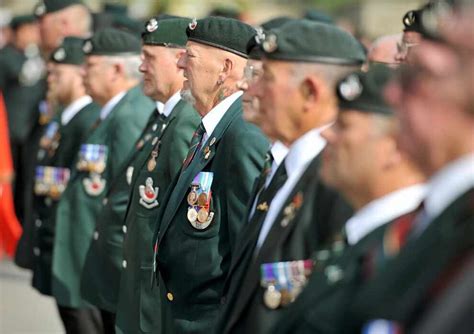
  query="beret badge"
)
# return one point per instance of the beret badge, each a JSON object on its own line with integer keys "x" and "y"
{"x": 351, "y": 88}
{"x": 87, "y": 47}
{"x": 260, "y": 35}
{"x": 152, "y": 25}
{"x": 193, "y": 24}
{"x": 59, "y": 55}
{"x": 270, "y": 45}
{"x": 40, "y": 9}
{"x": 409, "y": 19}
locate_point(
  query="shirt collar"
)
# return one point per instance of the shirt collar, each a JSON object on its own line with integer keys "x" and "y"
{"x": 170, "y": 104}
{"x": 305, "y": 149}
{"x": 72, "y": 109}
{"x": 448, "y": 184}
{"x": 160, "y": 107}
{"x": 110, "y": 105}
{"x": 214, "y": 116}
{"x": 279, "y": 152}
{"x": 383, "y": 210}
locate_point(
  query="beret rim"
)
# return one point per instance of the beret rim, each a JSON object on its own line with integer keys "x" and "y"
{"x": 314, "y": 59}
{"x": 366, "y": 107}
{"x": 219, "y": 46}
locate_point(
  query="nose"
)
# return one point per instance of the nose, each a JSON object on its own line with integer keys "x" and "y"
{"x": 182, "y": 61}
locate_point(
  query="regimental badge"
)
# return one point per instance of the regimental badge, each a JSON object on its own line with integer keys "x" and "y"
{"x": 87, "y": 47}
{"x": 193, "y": 24}
{"x": 40, "y": 9}
{"x": 92, "y": 158}
{"x": 289, "y": 212}
{"x": 270, "y": 44}
{"x": 152, "y": 25}
{"x": 59, "y": 55}
{"x": 259, "y": 36}
{"x": 262, "y": 206}
{"x": 199, "y": 199}
{"x": 284, "y": 281}
{"x": 148, "y": 194}
{"x": 207, "y": 152}
{"x": 351, "y": 88}
{"x": 409, "y": 19}
{"x": 94, "y": 184}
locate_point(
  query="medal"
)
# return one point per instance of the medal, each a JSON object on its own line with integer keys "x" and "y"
{"x": 202, "y": 215}
{"x": 202, "y": 199}
{"x": 152, "y": 162}
{"x": 286, "y": 297}
{"x": 140, "y": 144}
{"x": 207, "y": 152}
{"x": 154, "y": 141}
{"x": 148, "y": 194}
{"x": 192, "y": 215}
{"x": 272, "y": 297}
{"x": 192, "y": 197}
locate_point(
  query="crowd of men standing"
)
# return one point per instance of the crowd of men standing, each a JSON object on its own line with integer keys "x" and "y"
{"x": 208, "y": 176}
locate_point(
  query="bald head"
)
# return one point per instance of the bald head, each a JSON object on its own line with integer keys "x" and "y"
{"x": 384, "y": 49}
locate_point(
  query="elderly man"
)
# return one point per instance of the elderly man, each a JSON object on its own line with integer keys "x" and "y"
{"x": 203, "y": 210}
{"x": 111, "y": 78}
{"x": 58, "y": 149}
{"x": 61, "y": 18}
{"x": 157, "y": 158}
{"x": 436, "y": 132}
{"x": 301, "y": 64}
{"x": 363, "y": 162}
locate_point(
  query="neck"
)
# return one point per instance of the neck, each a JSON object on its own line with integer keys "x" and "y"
{"x": 220, "y": 95}
{"x": 118, "y": 88}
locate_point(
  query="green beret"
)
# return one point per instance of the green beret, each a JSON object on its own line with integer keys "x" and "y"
{"x": 69, "y": 52}
{"x": 17, "y": 21}
{"x": 224, "y": 11}
{"x": 115, "y": 8}
{"x": 317, "y": 16}
{"x": 166, "y": 32}
{"x": 48, "y": 6}
{"x": 309, "y": 41}
{"x": 222, "y": 33}
{"x": 363, "y": 91}
{"x": 276, "y": 22}
{"x": 110, "y": 42}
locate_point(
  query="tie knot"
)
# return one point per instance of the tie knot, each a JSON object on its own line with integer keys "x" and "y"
{"x": 200, "y": 130}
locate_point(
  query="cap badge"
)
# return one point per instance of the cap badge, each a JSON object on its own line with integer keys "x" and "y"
{"x": 269, "y": 45}
{"x": 87, "y": 47}
{"x": 59, "y": 55}
{"x": 409, "y": 18}
{"x": 40, "y": 9}
{"x": 350, "y": 88}
{"x": 152, "y": 25}
{"x": 260, "y": 35}
{"x": 193, "y": 24}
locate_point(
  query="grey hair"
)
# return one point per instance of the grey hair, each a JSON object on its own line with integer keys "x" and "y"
{"x": 81, "y": 16}
{"x": 384, "y": 125}
{"x": 331, "y": 73}
{"x": 130, "y": 64}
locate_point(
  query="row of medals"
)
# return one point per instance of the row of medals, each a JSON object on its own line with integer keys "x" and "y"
{"x": 201, "y": 200}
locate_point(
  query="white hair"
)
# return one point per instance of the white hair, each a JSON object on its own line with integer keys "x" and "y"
{"x": 130, "y": 64}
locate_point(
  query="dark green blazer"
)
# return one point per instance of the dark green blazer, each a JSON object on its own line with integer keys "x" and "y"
{"x": 193, "y": 264}
{"x": 71, "y": 136}
{"x": 77, "y": 210}
{"x": 138, "y": 305}
{"x": 404, "y": 287}
{"x": 321, "y": 214}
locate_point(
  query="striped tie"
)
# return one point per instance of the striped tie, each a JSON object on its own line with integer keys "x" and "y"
{"x": 195, "y": 145}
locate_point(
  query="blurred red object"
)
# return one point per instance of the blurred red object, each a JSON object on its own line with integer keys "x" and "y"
{"x": 10, "y": 228}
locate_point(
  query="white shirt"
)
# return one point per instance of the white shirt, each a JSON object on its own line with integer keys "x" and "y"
{"x": 160, "y": 107}
{"x": 279, "y": 152}
{"x": 170, "y": 104}
{"x": 301, "y": 153}
{"x": 446, "y": 186}
{"x": 214, "y": 116}
{"x": 383, "y": 210}
{"x": 72, "y": 109}
{"x": 110, "y": 105}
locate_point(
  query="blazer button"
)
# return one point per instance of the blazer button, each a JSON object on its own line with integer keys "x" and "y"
{"x": 38, "y": 223}
{"x": 36, "y": 251}
{"x": 124, "y": 264}
{"x": 170, "y": 296}
{"x": 96, "y": 235}
{"x": 124, "y": 229}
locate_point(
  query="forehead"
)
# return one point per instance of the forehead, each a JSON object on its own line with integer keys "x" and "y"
{"x": 153, "y": 49}
{"x": 94, "y": 59}
{"x": 411, "y": 37}
{"x": 355, "y": 118}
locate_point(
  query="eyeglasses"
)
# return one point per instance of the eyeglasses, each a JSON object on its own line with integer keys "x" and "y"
{"x": 403, "y": 47}
{"x": 252, "y": 74}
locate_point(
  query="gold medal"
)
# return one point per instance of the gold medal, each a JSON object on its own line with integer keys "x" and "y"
{"x": 202, "y": 215}
{"x": 152, "y": 162}
{"x": 99, "y": 167}
{"x": 192, "y": 197}
{"x": 54, "y": 192}
{"x": 286, "y": 297}
{"x": 192, "y": 215}
{"x": 202, "y": 199}
{"x": 272, "y": 297}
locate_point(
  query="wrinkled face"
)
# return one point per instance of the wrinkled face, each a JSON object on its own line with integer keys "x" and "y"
{"x": 201, "y": 70}
{"x": 280, "y": 101}
{"x": 98, "y": 73}
{"x": 50, "y": 31}
{"x": 159, "y": 68}
{"x": 252, "y": 73}
{"x": 355, "y": 151}
{"x": 61, "y": 80}
{"x": 409, "y": 40}
{"x": 423, "y": 96}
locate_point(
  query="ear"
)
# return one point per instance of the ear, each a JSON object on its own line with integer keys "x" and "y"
{"x": 227, "y": 67}
{"x": 118, "y": 70}
{"x": 391, "y": 151}
{"x": 310, "y": 90}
